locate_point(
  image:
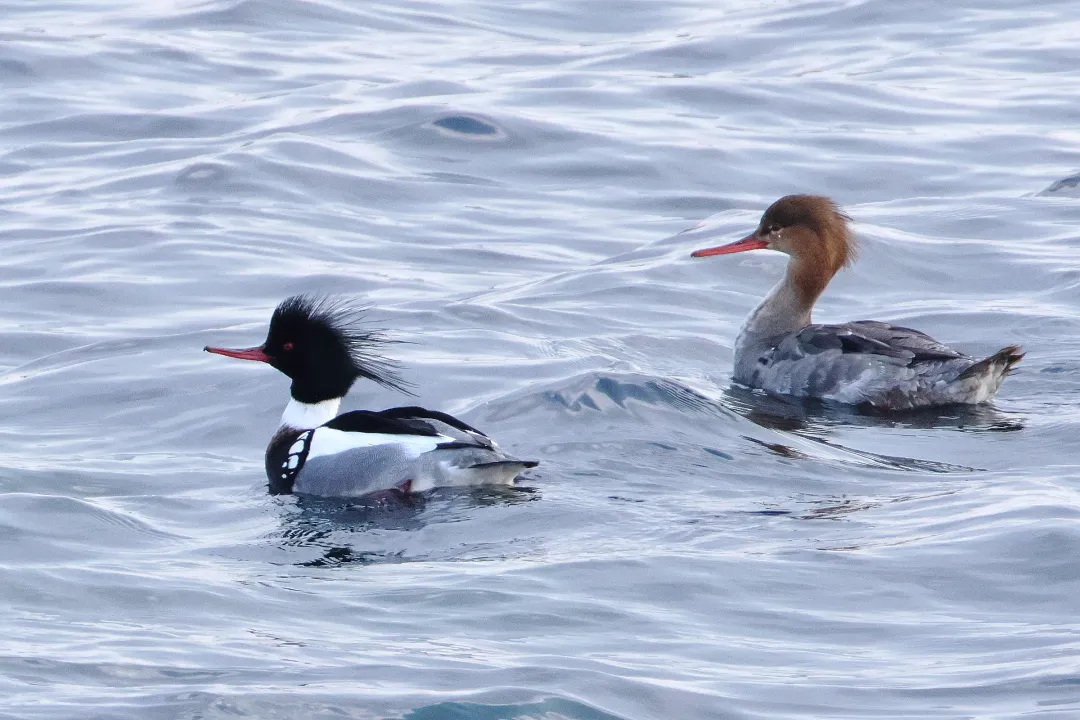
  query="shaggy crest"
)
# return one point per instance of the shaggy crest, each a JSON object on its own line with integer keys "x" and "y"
{"x": 337, "y": 332}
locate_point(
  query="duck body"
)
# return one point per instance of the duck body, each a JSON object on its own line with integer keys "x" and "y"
{"x": 408, "y": 449}
{"x": 321, "y": 346}
{"x": 865, "y": 362}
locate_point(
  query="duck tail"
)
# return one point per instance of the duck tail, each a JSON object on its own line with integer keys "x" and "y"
{"x": 497, "y": 472}
{"x": 980, "y": 381}
{"x": 995, "y": 367}
{"x": 522, "y": 464}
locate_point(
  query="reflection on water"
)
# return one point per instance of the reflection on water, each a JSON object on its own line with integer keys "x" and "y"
{"x": 349, "y": 531}
{"x": 829, "y": 508}
{"x": 793, "y": 414}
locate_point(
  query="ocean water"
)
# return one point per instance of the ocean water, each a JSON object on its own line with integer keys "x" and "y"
{"x": 504, "y": 183}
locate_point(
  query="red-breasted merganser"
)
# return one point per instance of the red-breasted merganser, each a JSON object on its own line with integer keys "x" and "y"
{"x": 864, "y": 362}
{"x": 322, "y": 345}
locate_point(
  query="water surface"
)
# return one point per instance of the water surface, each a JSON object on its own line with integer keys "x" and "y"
{"x": 504, "y": 183}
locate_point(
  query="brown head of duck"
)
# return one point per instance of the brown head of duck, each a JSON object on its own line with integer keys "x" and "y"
{"x": 812, "y": 231}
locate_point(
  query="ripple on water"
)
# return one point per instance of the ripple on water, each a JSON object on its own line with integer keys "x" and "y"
{"x": 552, "y": 708}
{"x": 1066, "y": 187}
{"x": 505, "y": 182}
{"x": 468, "y": 126}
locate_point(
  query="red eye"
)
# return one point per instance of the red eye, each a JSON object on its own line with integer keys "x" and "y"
{"x": 287, "y": 346}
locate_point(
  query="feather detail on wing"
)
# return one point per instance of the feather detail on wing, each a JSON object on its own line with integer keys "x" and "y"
{"x": 900, "y": 345}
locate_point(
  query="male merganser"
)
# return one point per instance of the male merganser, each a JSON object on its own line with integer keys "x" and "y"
{"x": 321, "y": 344}
{"x": 859, "y": 363}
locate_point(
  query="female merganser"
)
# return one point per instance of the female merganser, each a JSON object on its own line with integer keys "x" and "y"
{"x": 858, "y": 363}
{"x": 321, "y": 344}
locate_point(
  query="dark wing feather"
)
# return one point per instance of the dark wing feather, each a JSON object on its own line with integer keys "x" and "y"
{"x": 921, "y": 345}
{"x": 419, "y": 412}
{"x": 365, "y": 421}
{"x": 445, "y": 424}
{"x": 413, "y": 421}
{"x": 867, "y": 337}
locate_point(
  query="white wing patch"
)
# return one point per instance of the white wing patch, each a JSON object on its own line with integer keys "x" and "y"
{"x": 296, "y": 455}
{"x": 328, "y": 441}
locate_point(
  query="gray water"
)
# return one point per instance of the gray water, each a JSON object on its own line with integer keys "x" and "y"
{"x": 504, "y": 183}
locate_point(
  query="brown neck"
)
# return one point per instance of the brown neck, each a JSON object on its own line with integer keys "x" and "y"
{"x": 809, "y": 276}
{"x": 787, "y": 308}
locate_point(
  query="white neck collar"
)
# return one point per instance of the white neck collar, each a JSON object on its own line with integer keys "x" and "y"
{"x": 305, "y": 416}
